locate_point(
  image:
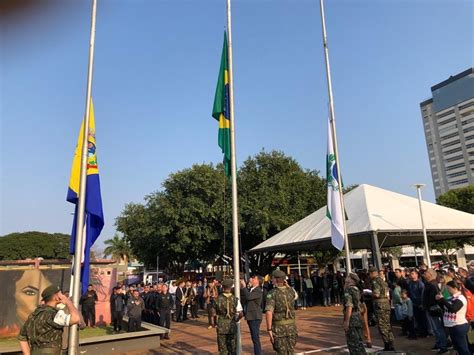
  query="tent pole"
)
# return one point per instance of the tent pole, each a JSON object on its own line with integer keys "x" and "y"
{"x": 377, "y": 257}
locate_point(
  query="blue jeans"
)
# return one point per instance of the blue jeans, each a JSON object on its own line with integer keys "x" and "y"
{"x": 438, "y": 330}
{"x": 458, "y": 336}
{"x": 254, "y": 326}
{"x": 326, "y": 297}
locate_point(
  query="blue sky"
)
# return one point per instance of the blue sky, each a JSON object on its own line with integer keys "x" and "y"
{"x": 154, "y": 79}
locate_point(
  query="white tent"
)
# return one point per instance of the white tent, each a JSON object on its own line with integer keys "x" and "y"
{"x": 376, "y": 218}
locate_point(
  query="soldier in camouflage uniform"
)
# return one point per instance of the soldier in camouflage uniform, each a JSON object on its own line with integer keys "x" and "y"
{"x": 229, "y": 311}
{"x": 280, "y": 315}
{"x": 381, "y": 307}
{"x": 352, "y": 318}
{"x": 43, "y": 330}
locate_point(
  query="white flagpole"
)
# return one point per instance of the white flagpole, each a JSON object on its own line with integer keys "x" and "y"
{"x": 80, "y": 231}
{"x": 332, "y": 120}
{"x": 235, "y": 217}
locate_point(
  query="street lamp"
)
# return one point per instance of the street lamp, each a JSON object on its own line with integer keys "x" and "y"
{"x": 425, "y": 237}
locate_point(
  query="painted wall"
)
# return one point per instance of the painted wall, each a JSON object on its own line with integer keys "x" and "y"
{"x": 20, "y": 292}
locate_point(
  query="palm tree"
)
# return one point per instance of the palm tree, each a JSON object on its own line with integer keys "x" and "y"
{"x": 118, "y": 248}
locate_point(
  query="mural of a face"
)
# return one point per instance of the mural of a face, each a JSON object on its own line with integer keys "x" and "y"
{"x": 28, "y": 292}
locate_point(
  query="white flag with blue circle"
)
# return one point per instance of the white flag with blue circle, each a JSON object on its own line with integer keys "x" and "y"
{"x": 334, "y": 209}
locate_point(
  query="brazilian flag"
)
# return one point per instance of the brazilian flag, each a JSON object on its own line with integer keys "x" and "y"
{"x": 221, "y": 109}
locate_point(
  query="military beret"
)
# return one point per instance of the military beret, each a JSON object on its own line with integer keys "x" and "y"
{"x": 278, "y": 274}
{"x": 228, "y": 283}
{"x": 49, "y": 291}
{"x": 373, "y": 269}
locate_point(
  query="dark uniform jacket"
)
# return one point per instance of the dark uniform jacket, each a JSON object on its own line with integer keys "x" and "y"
{"x": 164, "y": 302}
{"x": 135, "y": 307}
{"x": 117, "y": 303}
{"x": 89, "y": 299}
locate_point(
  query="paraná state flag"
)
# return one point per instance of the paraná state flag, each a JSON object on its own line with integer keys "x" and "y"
{"x": 221, "y": 109}
{"x": 334, "y": 208}
{"x": 94, "y": 216}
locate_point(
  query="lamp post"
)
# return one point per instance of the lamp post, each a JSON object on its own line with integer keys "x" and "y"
{"x": 425, "y": 237}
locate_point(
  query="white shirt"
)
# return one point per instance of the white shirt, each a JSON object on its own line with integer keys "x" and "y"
{"x": 62, "y": 319}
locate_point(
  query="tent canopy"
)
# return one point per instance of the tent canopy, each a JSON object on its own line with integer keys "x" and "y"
{"x": 394, "y": 219}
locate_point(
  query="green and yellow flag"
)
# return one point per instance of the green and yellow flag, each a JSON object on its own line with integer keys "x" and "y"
{"x": 221, "y": 109}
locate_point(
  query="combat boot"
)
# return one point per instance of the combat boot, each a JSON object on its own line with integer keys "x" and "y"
{"x": 386, "y": 346}
{"x": 390, "y": 344}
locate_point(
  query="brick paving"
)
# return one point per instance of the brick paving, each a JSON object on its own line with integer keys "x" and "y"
{"x": 319, "y": 328}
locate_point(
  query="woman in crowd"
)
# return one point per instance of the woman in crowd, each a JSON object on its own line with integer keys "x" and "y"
{"x": 455, "y": 317}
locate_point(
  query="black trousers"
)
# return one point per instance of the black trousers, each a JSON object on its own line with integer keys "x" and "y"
{"x": 194, "y": 310}
{"x": 117, "y": 318}
{"x": 179, "y": 312}
{"x": 165, "y": 318}
{"x": 134, "y": 324}
{"x": 254, "y": 326}
{"x": 88, "y": 313}
{"x": 185, "y": 311}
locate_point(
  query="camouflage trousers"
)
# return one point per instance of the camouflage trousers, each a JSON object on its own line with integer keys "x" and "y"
{"x": 227, "y": 344}
{"x": 284, "y": 336}
{"x": 382, "y": 315}
{"x": 355, "y": 343}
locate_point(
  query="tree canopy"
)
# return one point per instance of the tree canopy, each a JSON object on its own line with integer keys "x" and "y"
{"x": 190, "y": 218}
{"x": 461, "y": 199}
{"x": 17, "y": 246}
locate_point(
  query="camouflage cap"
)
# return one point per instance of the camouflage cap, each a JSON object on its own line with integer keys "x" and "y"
{"x": 49, "y": 291}
{"x": 278, "y": 274}
{"x": 227, "y": 283}
{"x": 373, "y": 269}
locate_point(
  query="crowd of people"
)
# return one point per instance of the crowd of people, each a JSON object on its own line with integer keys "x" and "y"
{"x": 425, "y": 302}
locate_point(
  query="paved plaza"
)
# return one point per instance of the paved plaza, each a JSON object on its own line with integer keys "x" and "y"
{"x": 320, "y": 332}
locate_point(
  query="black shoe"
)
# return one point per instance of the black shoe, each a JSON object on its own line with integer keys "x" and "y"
{"x": 390, "y": 346}
{"x": 386, "y": 347}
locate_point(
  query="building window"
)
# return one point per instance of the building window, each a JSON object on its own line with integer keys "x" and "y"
{"x": 468, "y": 113}
{"x": 469, "y": 104}
{"x": 455, "y": 150}
{"x": 450, "y": 112}
{"x": 463, "y": 181}
{"x": 452, "y": 135}
{"x": 449, "y": 144}
{"x": 453, "y": 159}
{"x": 449, "y": 120}
{"x": 452, "y": 167}
{"x": 456, "y": 174}
{"x": 470, "y": 129}
{"x": 466, "y": 122}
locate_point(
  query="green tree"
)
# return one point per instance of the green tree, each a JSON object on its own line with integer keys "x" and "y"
{"x": 17, "y": 246}
{"x": 182, "y": 223}
{"x": 461, "y": 199}
{"x": 274, "y": 193}
{"x": 189, "y": 220}
{"x": 118, "y": 248}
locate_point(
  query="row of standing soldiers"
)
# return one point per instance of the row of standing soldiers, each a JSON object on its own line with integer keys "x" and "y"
{"x": 353, "y": 305}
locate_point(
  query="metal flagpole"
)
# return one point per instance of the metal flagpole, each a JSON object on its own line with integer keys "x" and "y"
{"x": 80, "y": 232}
{"x": 235, "y": 217}
{"x": 425, "y": 237}
{"x": 332, "y": 120}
